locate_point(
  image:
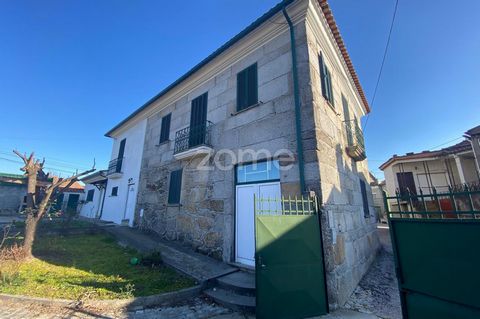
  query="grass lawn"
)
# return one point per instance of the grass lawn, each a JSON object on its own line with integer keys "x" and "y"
{"x": 74, "y": 266}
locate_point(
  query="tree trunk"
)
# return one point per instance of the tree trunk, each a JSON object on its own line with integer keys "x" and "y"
{"x": 30, "y": 231}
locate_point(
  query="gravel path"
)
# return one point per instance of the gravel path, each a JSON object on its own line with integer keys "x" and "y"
{"x": 196, "y": 308}
{"x": 377, "y": 292}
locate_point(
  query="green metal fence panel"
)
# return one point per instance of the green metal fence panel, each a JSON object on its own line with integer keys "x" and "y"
{"x": 290, "y": 277}
{"x": 434, "y": 244}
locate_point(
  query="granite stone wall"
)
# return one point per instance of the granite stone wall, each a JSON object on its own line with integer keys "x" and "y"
{"x": 204, "y": 219}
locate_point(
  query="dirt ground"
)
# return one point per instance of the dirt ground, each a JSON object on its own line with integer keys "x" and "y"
{"x": 377, "y": 292}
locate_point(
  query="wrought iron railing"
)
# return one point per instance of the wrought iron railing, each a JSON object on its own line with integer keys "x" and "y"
{"x": 191, "y": 137}
{"x": 115, "y": 166}
{"x": 355, "y": 138}
{"x": 458, "y": 202}
{"x": 286, "y": 205}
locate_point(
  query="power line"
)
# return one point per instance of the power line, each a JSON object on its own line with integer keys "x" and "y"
{"x": 448, "y": 142}
{"x": 51, "y": 159}
{"x": 383, "y": 63}
{"x": 46, "y": 167}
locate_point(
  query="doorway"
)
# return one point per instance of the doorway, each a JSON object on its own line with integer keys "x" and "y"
{"x": 261, "y": 179}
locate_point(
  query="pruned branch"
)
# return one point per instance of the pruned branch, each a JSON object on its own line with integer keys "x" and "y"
{"x": 71, "y": 179}
{"x": 22, "y": 156}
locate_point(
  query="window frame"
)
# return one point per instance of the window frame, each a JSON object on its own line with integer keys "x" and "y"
{"x": 249, "y": 97}
{"x": 114, "y": 191}
{"x": 175, "y": 198}
{"x": 92, "y": 192}
{"x": 326, "y": 81}
{"x": 165, "y": 128}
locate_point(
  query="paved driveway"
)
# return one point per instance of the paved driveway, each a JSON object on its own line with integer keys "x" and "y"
{"x": 377, "y": 292}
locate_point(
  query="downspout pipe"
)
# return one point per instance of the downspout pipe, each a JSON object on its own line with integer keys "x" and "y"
{"x": 296, "y": 95}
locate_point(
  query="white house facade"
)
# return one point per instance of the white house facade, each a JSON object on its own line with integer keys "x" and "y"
{"x": 123, "y": 174}
{"x": 94, "y": 195}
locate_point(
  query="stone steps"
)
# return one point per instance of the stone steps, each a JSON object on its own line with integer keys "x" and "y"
{"x": 235, "y": 291}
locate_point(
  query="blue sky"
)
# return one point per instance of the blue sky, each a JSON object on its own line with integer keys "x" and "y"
{"x": 71, "y": 70}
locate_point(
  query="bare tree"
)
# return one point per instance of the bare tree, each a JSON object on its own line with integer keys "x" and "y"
{"x": 33, "y": 211}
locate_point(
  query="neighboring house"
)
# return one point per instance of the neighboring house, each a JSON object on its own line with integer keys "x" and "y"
{"x": 452, "y": 166}
{"x": 95, "y": 186}
{"x": 473, "y": 135}
{"x": 13, "y": 192}
{"x": 71, "y": 198}
{"x": 246, "y": 96}
{"x": 378, "y": 201}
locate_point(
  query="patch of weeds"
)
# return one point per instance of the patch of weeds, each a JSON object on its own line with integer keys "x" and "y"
{"x": 127, "y": 291}
{"x": 153, "y": 259}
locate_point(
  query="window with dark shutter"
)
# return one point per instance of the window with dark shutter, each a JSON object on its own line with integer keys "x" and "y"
{"x": 175, "y": 187}
{"x": 165, "y": 130}
{"x": 363, "y": 188}
{"x": 326, "y": 79}
{"x": 90, "y": 194}
{"x": 247, "y": 87}
{"x": 115, "y": 191}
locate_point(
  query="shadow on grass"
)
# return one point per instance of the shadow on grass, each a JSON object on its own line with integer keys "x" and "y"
{"x": 74, "y": 266}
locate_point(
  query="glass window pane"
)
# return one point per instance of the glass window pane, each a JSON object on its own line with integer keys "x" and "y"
{"x": 256, "y": 172}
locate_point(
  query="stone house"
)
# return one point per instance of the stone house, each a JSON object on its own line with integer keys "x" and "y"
{"x": 275, "y": 111}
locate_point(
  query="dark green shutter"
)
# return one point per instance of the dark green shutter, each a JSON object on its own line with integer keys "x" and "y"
{"x": 247, "y": 87}
{"x": 165, "y": 130}
{"x": 326, "y": 80}
{"x": 175, "y": 187}
{"x": 198, "y": 120}
{"x": 329, "y": 87}
{"x": 363, "y": 188}
{"x": 323, "y": 76}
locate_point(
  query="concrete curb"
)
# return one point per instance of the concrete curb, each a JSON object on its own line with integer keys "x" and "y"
{"x": 165, "y": 299}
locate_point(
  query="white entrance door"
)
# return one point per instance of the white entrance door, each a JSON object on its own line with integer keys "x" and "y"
{"x": 245, "y": 218}
{"x": 128, "y": 214}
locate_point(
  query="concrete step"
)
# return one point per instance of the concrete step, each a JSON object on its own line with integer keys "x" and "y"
{"x": 240, "y": 282}
{"x": 232, "y": 300}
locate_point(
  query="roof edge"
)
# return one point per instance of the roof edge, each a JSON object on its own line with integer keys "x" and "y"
{"x": 327, "y": 12}
{"x": 270, "y": 13}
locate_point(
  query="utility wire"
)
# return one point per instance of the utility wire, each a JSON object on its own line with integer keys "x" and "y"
{"x": 448, "y": 142}
{"x": 383, "y": 63}
{"x": 47, "y": 167}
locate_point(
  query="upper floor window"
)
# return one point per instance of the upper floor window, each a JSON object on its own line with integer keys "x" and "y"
{"x": 247, "y": 87}
{"x": 115, "y": 191}
{"x": 165, "y": 130}
{"x": 90, "y": 194}
{"x": 326, "y": 79}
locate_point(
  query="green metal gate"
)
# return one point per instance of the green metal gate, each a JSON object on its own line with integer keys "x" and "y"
{"x": 290, "y": 278}
{"x": 435, "y": 241}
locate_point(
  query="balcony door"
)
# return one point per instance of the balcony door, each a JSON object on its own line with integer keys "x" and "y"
{"x": 198, "y": 121}
{"x": 121, "y": 152}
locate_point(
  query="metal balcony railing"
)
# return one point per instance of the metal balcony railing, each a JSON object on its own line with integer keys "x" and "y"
{"x": 191, "y": 137}
{"x": 356, "y": 142}
{"x": 115, "y": 166}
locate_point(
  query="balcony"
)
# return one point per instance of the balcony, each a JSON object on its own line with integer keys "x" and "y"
{"x": 356, "y": 143}
{"x": 115, "y": 168}
{"x": 193, "y": 141}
